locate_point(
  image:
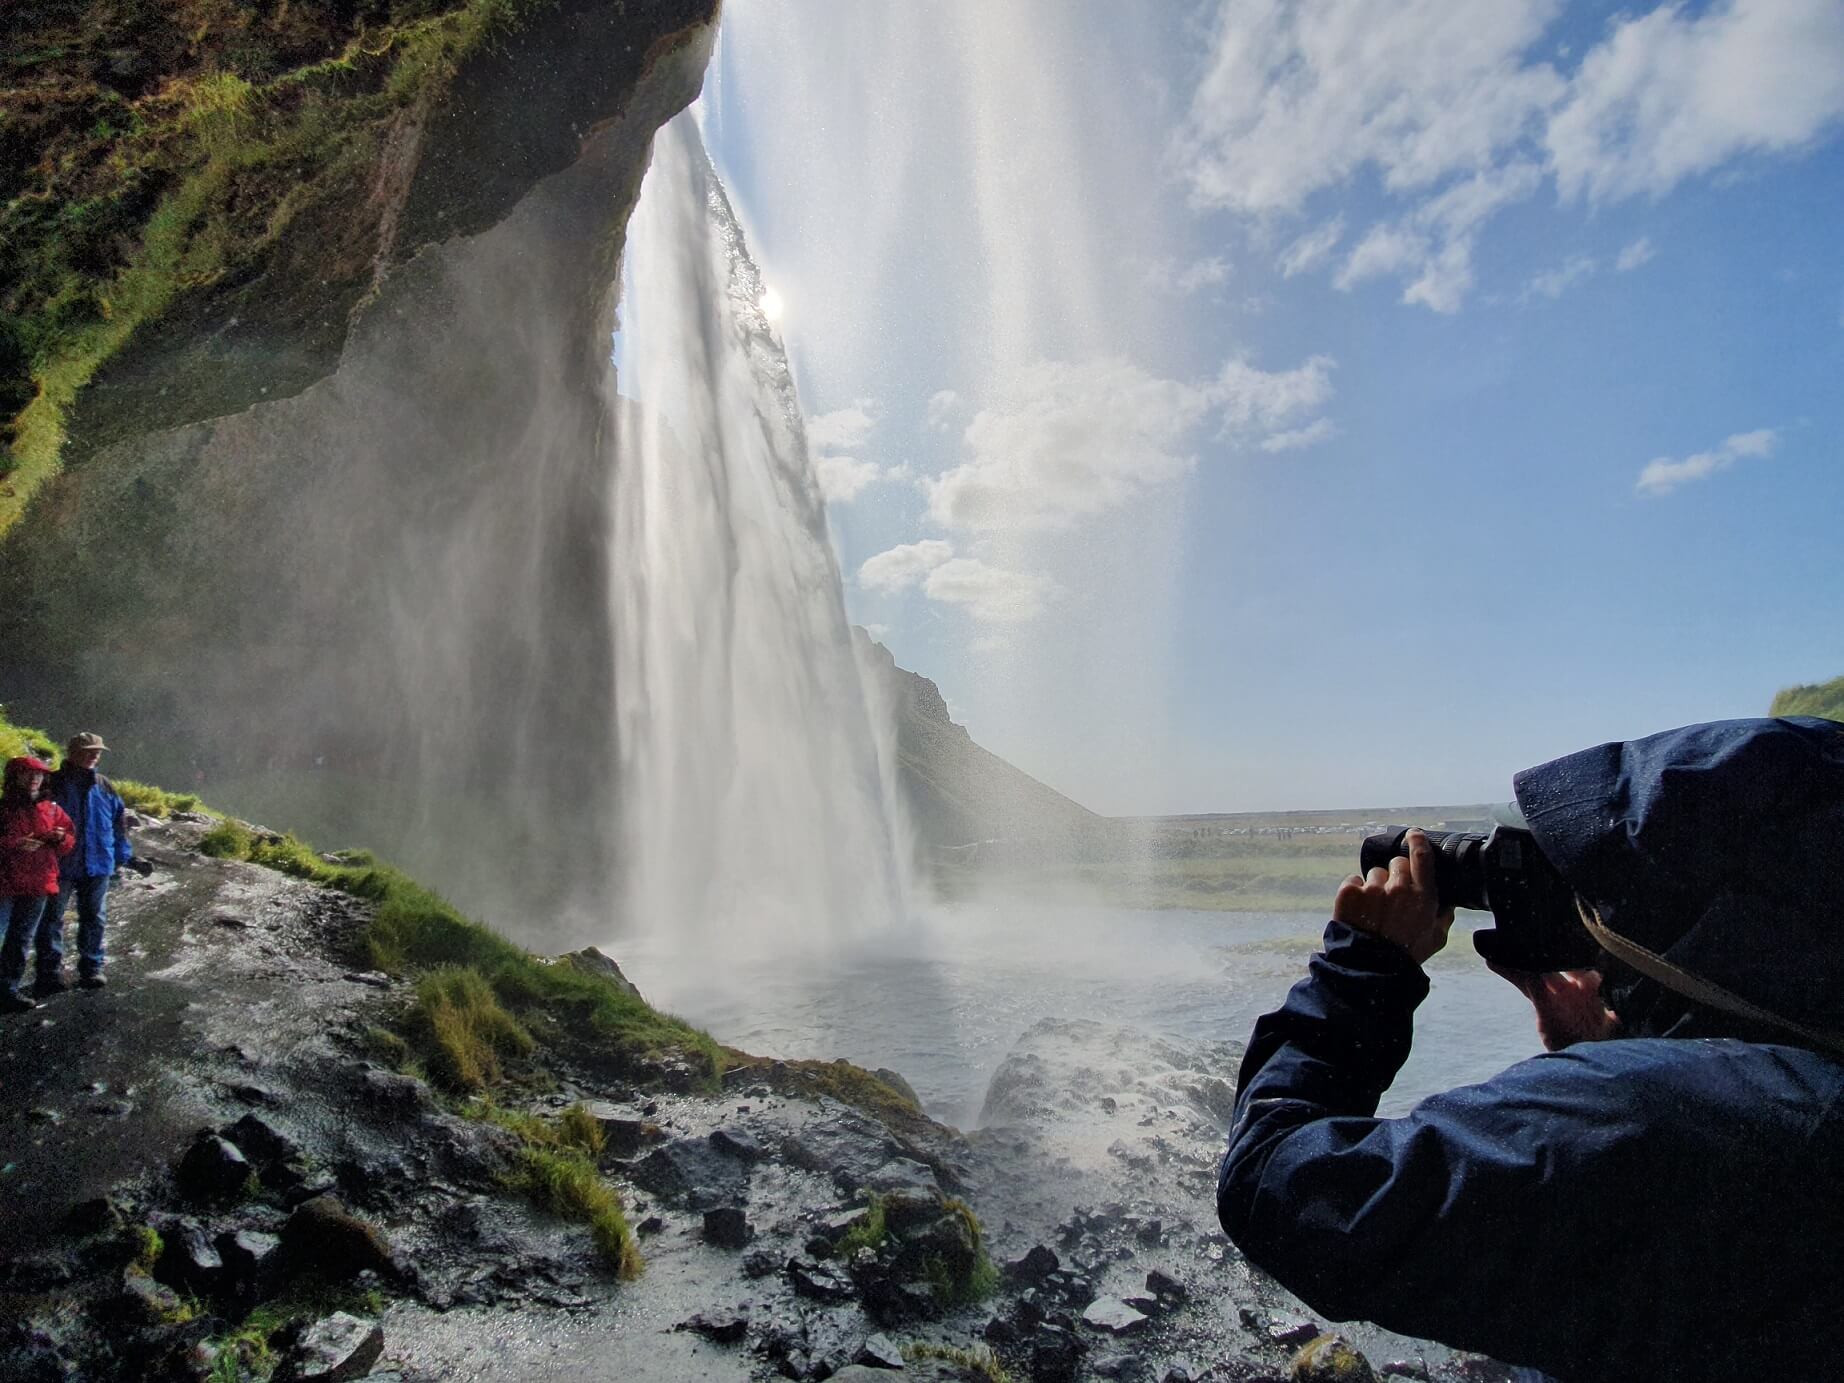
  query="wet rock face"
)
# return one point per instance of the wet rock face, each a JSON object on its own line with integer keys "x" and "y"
{"x": 335, "y": 1349}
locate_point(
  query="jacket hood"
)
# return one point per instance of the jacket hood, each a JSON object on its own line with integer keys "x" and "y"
{"x": 1718, "y": 847}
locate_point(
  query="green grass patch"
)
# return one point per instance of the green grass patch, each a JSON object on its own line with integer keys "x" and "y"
{"x": 978, "y": 1360}
{"x": 964, "y": 1284}
{"x": 24, "y": 741}
{"x": 247, "y": 1352}
{"x": 556, "y": 1170}
{"x": 463, "y": 1029}
{"x": 153, "y": 801}
{"x": 1822, "y": 699}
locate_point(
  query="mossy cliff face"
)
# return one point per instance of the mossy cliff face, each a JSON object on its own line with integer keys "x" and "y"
{"x": 328, "y": 536}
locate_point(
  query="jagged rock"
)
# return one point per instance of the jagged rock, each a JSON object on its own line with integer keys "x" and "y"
{"x": 727, "y": 1329}
{"x": 1112, "y": 1315}
{"x": 335, "y": 1349}
{"x": 692, "y": 1172}
{"x": 877, "y": 1352}
{"x": 212, "y": 1168}
{"x": 907, "y": 1210}
{"x": 144, "y": 1301}
{"x": 593, "y": 962}
{"x": 252, "y": 1263}
{"x": 1037, "y": 1264}
{"x": 653, "y": 1224}
{"x": 847, "y": 1146}
{"x": 1146, "y": 1306}
{"x": 1331, "y": 1359}
{"x": 819, "y": 1281}
{"x": 736, "y": 1142}
{"x": 891, "y": 1302}
{"x": 727, "y": 1227}
{"x": 395, "y": 1091}
{"x": 835, "y": 1227}
{"x": 260, "y": 1141}
{"x": 903, "y": 1174}
{"x": 189, "y": 1262}
{"x": 761, "y": 1263}
{"x": 622, "y": 1134}
{"x": 1056, "y": 1355}
{"x": 98, "y": 1216}
{"x": 325, "y": 1237}
{"x": 1129, "y": 1368}
{"x": 895, "y": 1081}
{"x": 1292, "y": 1332}
{"x": 999, "y": 1331}
{"x": 1166, "y": 1287}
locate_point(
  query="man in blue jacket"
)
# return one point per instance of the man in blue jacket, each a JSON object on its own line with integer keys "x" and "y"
{"x": 97, "y": 811}
{"x": 1662, "y": 1195}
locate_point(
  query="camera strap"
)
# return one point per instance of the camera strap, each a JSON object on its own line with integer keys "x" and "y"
{"x": 1695, "y": 987}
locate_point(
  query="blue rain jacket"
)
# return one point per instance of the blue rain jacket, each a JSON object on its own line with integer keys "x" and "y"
{"x": 1668, "y": 1205}
{"x": 98, "y": 813}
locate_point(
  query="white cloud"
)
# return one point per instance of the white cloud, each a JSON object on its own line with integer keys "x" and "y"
{"x": 1299, "y": 96}
{"x": 1167, "y": 276}
{"x": 1255, "y": 400}
{"x": 1553, "y": 283}
{"x": 1066, "y": 442}
{"x": 1664, "y": 475}
{"x": 1635, "y": 254}
{"x": 843, "y": 477}
{"x": 1670, "y": 95}
{"x": 902, "y": 567}
{"x": 992, "y": 595}
{"x": 1312, "y": 249}
{"x": 1321, "y": 430}
{"x": 844, "y": 428}
{"x": 943, "y": 404}
{"x": 1458, "y": 116}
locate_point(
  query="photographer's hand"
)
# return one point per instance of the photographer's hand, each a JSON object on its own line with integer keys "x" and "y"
{"x": 1398, "y": 904}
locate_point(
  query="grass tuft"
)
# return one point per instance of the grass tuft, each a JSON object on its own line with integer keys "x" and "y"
{"x": 868, "y": 1233}
{"x": 978, "y": 1360}
{"x": 556, "y": 1170}
{"x": 464, "y": 1030}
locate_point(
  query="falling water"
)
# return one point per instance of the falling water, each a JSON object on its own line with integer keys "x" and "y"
{"x": 755, "y": 783}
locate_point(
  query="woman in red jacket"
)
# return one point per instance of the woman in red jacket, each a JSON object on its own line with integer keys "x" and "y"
{"x": 33, "y": 834}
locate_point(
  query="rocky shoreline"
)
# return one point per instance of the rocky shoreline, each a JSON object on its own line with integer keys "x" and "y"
{"x": 215, "y": 1170}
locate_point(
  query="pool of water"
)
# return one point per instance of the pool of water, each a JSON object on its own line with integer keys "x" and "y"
{"x": 944, "y": 999}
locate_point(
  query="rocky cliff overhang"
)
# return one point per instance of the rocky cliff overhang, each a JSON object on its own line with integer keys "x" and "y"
{"x": 202, "y": 198}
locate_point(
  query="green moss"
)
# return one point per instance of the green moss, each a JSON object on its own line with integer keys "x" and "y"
{"x": 868, "y": 1233}
{"x": 148, "y": 1246}
{"x": 463, "y": 1030}
{"x": 227, "y": 841}
{"x": 963, "y": 1284}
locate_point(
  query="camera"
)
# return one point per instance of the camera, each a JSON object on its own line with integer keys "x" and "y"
{"x": 1504, "y": 873}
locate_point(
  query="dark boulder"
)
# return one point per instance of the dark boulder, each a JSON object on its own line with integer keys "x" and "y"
{"x": 725, "y": 1328}
{"x": 212, "y": 1169}
{"x": 1331, "y": 1359}
{"x": 323, "y": 1236}
{"x": 189, "y": 1260}
{"x": 726, "y": 1227}
{"x": 262, "y": 1143}
{"x": 1037, "y": 1264}
{"x": 252, "y": 1263}
{"x": 878, "y": 1352}
{"x": 819, "y": 1281}
{"x": 691, "y": 1172}
{"x": 737, "y": 1143}
{"x": 1056, "y": 1355}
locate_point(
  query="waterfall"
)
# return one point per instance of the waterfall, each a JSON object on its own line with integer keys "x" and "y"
{"x": 755, "y": 784}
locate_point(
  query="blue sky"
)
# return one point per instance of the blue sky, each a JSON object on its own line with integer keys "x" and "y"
{"x": 1262, "y": 405}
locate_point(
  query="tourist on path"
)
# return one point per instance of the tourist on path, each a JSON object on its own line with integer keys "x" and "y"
{"x": 34, "y": 834}
{"x": 100, "y": 819}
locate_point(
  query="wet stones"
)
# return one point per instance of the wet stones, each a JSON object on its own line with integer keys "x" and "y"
{"x": 1056, "y": 1355}
{"x": 819, "y": 1281}
{"x": 397, "y": 1093}
{"x": 690, "y": 1171}
{"x": 335, "y": 1349}
{"x": 189, "y": 1261}
{"x": 878, "y": 1352}
{"x": 213, "y": 1169}
{"x": 1037, "y": 1264}
{"x": 1113, "y": 1315}
{"x": 723, "y": 1328}
{"x": 737, "y": 1143}
{"x": 252, "y": 1263}
{"x": 726, "y": 1227}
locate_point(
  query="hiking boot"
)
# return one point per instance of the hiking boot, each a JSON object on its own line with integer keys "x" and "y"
{"x": 51, "y": 982}
{"x": 12, "y": 1001}
{"x": 95, "y": 981}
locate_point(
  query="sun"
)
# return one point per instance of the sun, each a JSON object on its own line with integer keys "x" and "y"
{"x": 770, "y": 303}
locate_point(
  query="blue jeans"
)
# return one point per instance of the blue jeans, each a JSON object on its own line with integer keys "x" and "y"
{"x": 92, "y": 895}
{"x": 21, "y": 923}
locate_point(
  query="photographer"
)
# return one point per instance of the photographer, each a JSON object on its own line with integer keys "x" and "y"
{"x": 1662, "y": 1195}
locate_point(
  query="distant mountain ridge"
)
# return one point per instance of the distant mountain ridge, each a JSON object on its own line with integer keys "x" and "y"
{"x": 957, "y": 793}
